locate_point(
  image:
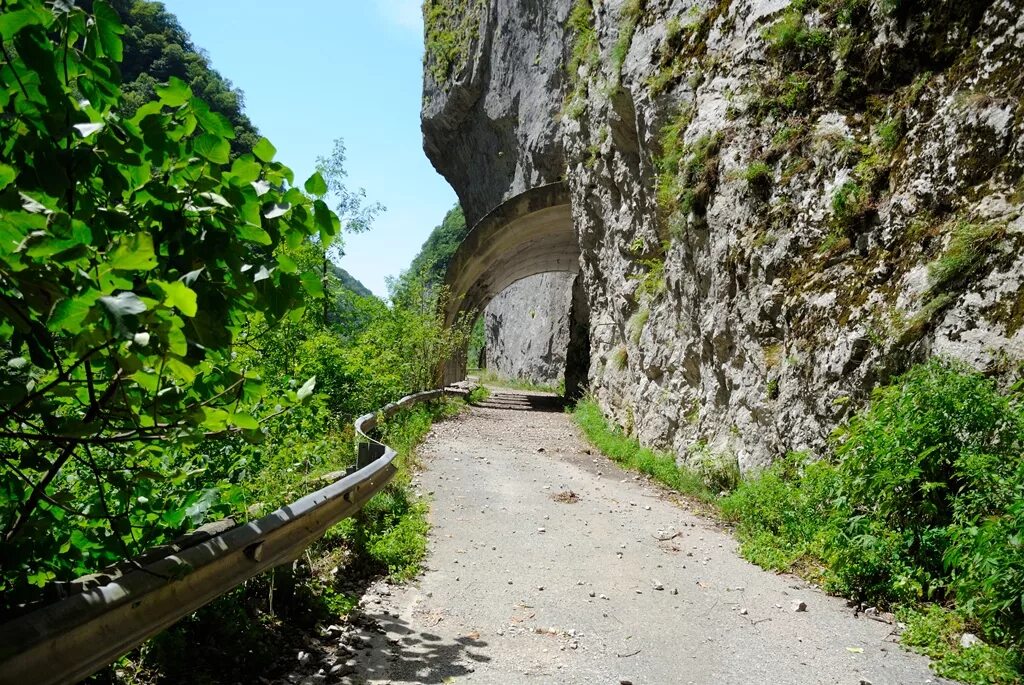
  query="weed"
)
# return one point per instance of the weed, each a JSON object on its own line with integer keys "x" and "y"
{"x": 620, "y": 357}
{"x": 687, "y": 174}
{"x": 652, "y": 282}
{"x": 478, "y": 394}
{"x": 968, "y": 246}
{"x": 629, "y": 19}
{"x": 850, "y": 203}
{"x": 585, "y": 55}
{"x": 890, "y": 132}
{"x": 625, "y": 450}
{"x": 936, "y": 632}
{"x": 718, "y": 472}
{"x": 636, "y": 324}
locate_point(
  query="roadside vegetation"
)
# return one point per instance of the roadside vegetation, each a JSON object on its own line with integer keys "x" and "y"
{"x": 486, "y": 376}
{"x": 917, "y": 508}
{"x": 176, "y": 345}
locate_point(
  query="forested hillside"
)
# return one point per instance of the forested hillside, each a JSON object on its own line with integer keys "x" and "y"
{"x": 431, "y": 262}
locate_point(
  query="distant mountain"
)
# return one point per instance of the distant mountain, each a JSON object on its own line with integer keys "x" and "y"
{"x": 349, "y": 281}
{"x": 437, "y": 251}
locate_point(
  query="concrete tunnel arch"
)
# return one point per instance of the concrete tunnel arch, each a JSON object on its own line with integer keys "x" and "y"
{"x": 529, "y": 234}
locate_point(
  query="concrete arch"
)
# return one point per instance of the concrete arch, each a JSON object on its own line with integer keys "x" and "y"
{"x": 529, "y": 234}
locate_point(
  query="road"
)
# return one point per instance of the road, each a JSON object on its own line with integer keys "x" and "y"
{"x": 549, "y": 564}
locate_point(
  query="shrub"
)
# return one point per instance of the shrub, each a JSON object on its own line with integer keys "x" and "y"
{"x": 785, "y": 513}
{"x": 925, "y": 501}
{"x": 936, "y": 454}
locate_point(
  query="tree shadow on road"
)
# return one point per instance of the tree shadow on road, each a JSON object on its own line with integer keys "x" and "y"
{"x": 396, "y": 652}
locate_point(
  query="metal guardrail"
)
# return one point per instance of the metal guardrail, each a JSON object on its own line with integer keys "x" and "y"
{"x": 76, "y": 636}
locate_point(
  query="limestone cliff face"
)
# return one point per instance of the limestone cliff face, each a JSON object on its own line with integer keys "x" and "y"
{"x": 527, "y": 329}
{"x": 780, "y": 206}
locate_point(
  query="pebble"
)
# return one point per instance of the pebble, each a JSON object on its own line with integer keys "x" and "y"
{"x": 798, "y": 605}
{"x": 968, "y": 640}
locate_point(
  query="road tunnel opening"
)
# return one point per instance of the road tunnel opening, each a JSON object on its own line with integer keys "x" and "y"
{"x": 527, "y": 235}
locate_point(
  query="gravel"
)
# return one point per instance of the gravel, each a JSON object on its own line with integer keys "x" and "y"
{"x": 496, "y": 625}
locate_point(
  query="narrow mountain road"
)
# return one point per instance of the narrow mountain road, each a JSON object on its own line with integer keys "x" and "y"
{"x": 549, "y": 564}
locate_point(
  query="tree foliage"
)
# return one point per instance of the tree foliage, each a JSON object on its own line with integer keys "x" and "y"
{"x": 431, "y": 263}
{"x": 156, "y": 48}
{"x": 133, "y": 254}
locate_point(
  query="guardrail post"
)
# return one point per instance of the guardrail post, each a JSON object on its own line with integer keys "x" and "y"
{"x": 363, "y": 457}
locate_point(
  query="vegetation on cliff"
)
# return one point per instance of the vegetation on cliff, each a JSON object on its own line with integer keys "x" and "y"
{"x": 451, "y": 26}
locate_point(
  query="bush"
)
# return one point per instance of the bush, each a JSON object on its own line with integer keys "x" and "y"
{"x": 785, "y": 515}
{"x": 924, "y": 502}
{"x": 915, "y": 468}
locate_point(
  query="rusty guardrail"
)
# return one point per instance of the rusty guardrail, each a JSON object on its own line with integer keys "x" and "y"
{"x": 74, "y": 637}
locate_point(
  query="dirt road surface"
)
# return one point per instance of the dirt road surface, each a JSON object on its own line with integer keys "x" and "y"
{"x": 549, "y": 564}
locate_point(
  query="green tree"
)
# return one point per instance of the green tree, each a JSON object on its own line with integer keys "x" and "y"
{"x": 133, "y": 253}
{"x": 155, "y": 49}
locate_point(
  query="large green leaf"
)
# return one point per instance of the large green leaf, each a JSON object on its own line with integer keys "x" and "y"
{"x": 174, "y": 93}
{"x": 11, "y": 22}
{"x": 212, "y": 122}
{"x": 109, "y": 28}
{"x": 264, "y": 151}
{"x": 213, "y": 148}
{"x": 7, "y": 174}
{"x": 315, "y": 184}
{"x": 180, "y": 296}
{"x": 135, "y": 253}
{"x": 70, "y": 314}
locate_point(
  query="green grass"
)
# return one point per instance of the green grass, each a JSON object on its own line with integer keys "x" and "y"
{"x": 636, "y": 323}
{"x": 491, "y": 378}
{"x": 968, "y": 246}
{"x": 936, "y": 632}
{"x": 630, "y": 454}
{"x": 630, "y": 17}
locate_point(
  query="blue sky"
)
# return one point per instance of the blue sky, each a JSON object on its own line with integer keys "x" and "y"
{"x": 314, "y": 70}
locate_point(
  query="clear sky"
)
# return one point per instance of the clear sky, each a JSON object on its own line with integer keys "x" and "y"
{"x": 314, "y": 70}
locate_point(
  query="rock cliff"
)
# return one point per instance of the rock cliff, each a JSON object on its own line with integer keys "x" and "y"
{"x": 527, "y": 329}
{"x": 780, "y": 204}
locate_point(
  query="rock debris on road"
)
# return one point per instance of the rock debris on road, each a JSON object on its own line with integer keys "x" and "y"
{"x": 548, "y": 565}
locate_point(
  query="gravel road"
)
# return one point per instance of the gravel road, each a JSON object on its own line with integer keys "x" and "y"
{"x": 549, "y": 564}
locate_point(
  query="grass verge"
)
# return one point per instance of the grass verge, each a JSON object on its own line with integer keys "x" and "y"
{"x": 630, "y": 454}
{"x": 491, "y": 378}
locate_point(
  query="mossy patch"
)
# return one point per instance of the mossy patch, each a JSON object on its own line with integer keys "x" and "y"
{"x": 451, "y": 26}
